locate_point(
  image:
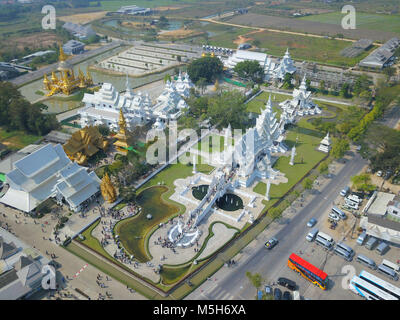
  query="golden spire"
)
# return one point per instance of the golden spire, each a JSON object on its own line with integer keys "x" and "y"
{"x": 122, "y": 123}
{"x": 54, "y": 78}
{"x": 62, "y": 56}
{"x": 46, "y": 83}
{"x": 122, "y": 138}
{"x": 107, "y": 189}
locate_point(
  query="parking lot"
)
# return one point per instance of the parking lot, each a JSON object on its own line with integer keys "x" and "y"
{"x": 338, "y": 269}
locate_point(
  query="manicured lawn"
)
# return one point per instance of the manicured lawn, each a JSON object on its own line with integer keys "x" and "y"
{"x": 212, "y": 142}
{"x": 170, "y": 275}
{"x": 308, "y": 141}
{"x": 133, "y": 231}
{"x": 173, "y": 172}
{"x": 260, "y": 101}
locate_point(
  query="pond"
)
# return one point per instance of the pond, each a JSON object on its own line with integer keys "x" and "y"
{"x": 229, "y": 202}
{"x": 132, "y": 231}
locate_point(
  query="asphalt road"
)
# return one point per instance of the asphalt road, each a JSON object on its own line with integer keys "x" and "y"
{"x": 232, "y": 283}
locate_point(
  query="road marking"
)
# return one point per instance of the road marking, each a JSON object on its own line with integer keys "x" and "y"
{"x": 83, "y": 268}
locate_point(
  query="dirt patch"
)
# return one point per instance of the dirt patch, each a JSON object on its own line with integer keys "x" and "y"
{"x": 245, "y": 38}
{"x": 180, "y": 33}
{"x": 169, "y": 8}
{"x": 38, "y": 40}
{"x": 83, "y": 18}
{"x": 137, "y": 25}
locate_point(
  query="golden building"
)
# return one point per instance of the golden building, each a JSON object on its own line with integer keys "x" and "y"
{"x": 107, "y": 189}
{"x": 122, "y": 135}
{"x": 84, "y": 144}
{"x": 66, "y": 82}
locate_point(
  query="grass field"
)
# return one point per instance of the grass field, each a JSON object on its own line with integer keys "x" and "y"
{"x": 16, "y": 140}
{"x": 322, "y": 50}
{"x": 369, "y": 21}
{"x": 132, "y": 232}
{"x": 211, "y": 143}
{"x": 306, "y": 157}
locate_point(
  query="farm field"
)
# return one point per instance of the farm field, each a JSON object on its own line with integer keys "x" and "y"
{"x": 390, "y": 23}
{"x": 310, "y": 27}
{"x": 320, "y": 50}
{"x": 110, "y": 5}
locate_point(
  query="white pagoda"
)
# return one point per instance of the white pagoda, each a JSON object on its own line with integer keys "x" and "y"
{"x": 103, "y": 107}
{"x": 285, "y": 66}
{"x": 183, "y": 85}
{"x": 326, "y": 144}
{"x": 170, "y": 103}
{"x": 252, "y": 153}
{"x": 300, "y": 105}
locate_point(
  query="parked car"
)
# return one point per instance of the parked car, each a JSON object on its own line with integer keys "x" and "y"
{"x": 311, "y": 223}
{"x": 388, "y": 174}
{"x": 287, "y": 296}
{"x": 290, "y": 284}
{"x": 268, "y": 290}
{"x": 277, "y": 294}
{"x": 271, "y": 243}
{"x": 379, "y": 173}
{"x": 345, "y": 191}
{"x": 334, "y": 217}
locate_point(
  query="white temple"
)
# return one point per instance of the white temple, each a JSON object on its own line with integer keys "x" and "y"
{"x": 103, "y": 107}
{"x": 285, "y": 66}
{"x": 300, "y": 105}
{"x": 252, "y": 153}
{"x": 48, "y": 172}
{"x": 183, "y": 85}
{"x": 170, "y": 103}
{"x": 243, "y": 55}
{"x": 272, "y": 70}
{"x": 325, "y": 145}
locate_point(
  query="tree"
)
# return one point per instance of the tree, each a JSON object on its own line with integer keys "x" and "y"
{"x": 250, "y": 70}
{"x": 287, "y": 81}
{"x": 362, "y": 182}
{"x": 206, "y": 67}
{"x": 323, "y": 168}
{"x": 255, "y": 279}
{"x": 201, "y": 84}
{"x": 389, "y": 72}
{"x": 307, "y": 184}
{"x": 345, "y": 91}
{"x": 228, "y": 108}
{"x": 339, "y": 148}
{"x": 104, "y": 130}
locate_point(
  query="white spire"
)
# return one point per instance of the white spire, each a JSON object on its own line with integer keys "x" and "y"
{"x": 128, "y": 93}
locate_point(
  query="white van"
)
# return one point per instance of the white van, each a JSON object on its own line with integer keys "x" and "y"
{"x": 391, "y": 265}
{"x": 367, "y": 262}
{"x": 388, "y": 272}
{"x": 324, "y": 240}
{"x": 339, "y": 212}
{"x": 353, "y": 198}
{"x": 311, "y": 235}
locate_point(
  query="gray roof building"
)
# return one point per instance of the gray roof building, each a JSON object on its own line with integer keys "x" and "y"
{"x": 382, "y": 56}
{"x": 74, "y": 47}
{"x": 20, "y": 271}
{"x": 79, "y": 31}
